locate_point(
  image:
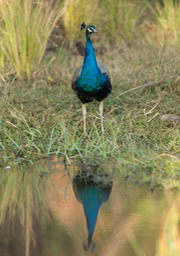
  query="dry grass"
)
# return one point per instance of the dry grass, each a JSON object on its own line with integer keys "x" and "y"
{"x": 25, "y": 28}
{"x": 134, "y": 136}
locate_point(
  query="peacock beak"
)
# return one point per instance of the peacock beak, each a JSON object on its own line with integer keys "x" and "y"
{"x": 95, "y": 30}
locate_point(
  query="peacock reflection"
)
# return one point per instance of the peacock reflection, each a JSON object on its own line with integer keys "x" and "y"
{"x": 92, "y": 187}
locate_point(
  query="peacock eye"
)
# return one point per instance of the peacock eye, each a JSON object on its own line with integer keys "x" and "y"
{"x": 90, "y": 29}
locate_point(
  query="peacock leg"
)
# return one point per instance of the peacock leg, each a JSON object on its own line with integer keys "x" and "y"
{"x": 101, "y": 115}
{"x": 84, "y": 112}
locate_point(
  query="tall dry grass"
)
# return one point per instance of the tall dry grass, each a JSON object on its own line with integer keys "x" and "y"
{"x": 122, "y": 20}
{"x": 116, "y": 18}
{"x": 164, "y": 26}
{"x": 25, "y": 27}
{"x": 77, "y": 11}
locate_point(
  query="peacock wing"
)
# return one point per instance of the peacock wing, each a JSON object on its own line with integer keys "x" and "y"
{"x": 77, "y": 74}
{"x": 103, "y": 69}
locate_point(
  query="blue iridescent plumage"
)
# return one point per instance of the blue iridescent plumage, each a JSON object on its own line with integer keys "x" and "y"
{"x": 91, "y": 81}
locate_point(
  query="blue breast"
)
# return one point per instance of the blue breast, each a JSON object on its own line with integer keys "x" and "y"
{"x": 91, "y": 78}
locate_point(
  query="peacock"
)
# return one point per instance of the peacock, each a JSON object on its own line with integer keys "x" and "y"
{"x": 91, "y": 81}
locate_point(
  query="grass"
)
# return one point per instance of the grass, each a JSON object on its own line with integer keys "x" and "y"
{"x": 169, "y": 20}
{"x": 130, "y": 13}
{"x": 77, "y": 11}
{"x": 25, "y": 28}
{"x": 125, "y": 21}
{"x": 105, "y": 15}
{"x": 164, "y": 26}
{"x": 143, "y": 147}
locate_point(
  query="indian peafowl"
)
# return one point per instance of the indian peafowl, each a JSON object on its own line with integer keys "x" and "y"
{"x": 91, "y": 81}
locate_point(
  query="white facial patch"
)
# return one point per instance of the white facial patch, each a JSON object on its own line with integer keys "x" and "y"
{"x": 90, "y": 29}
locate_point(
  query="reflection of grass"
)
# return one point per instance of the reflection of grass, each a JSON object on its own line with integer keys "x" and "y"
{"x": 169, "y": 239}
{"x": 23, "y": 199}
{"x": 155, "y": 227}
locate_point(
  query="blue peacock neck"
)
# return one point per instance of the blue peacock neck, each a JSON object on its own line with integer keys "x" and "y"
{"x": 90, "y": 63}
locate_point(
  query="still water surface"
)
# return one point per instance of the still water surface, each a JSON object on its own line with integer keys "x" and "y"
{"x": 49, "y": 210}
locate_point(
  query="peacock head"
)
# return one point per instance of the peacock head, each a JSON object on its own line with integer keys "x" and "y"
{"x": 90, "y": 29}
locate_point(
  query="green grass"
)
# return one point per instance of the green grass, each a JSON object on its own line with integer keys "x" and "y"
{"x": 44, "y": 117}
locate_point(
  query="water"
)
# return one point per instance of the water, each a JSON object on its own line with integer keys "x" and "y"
{"x": 47, "y": 209}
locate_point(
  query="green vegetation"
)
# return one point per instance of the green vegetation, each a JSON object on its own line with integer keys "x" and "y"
{"x": 44, "y": 116}
{"x": 40, "y": 115}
